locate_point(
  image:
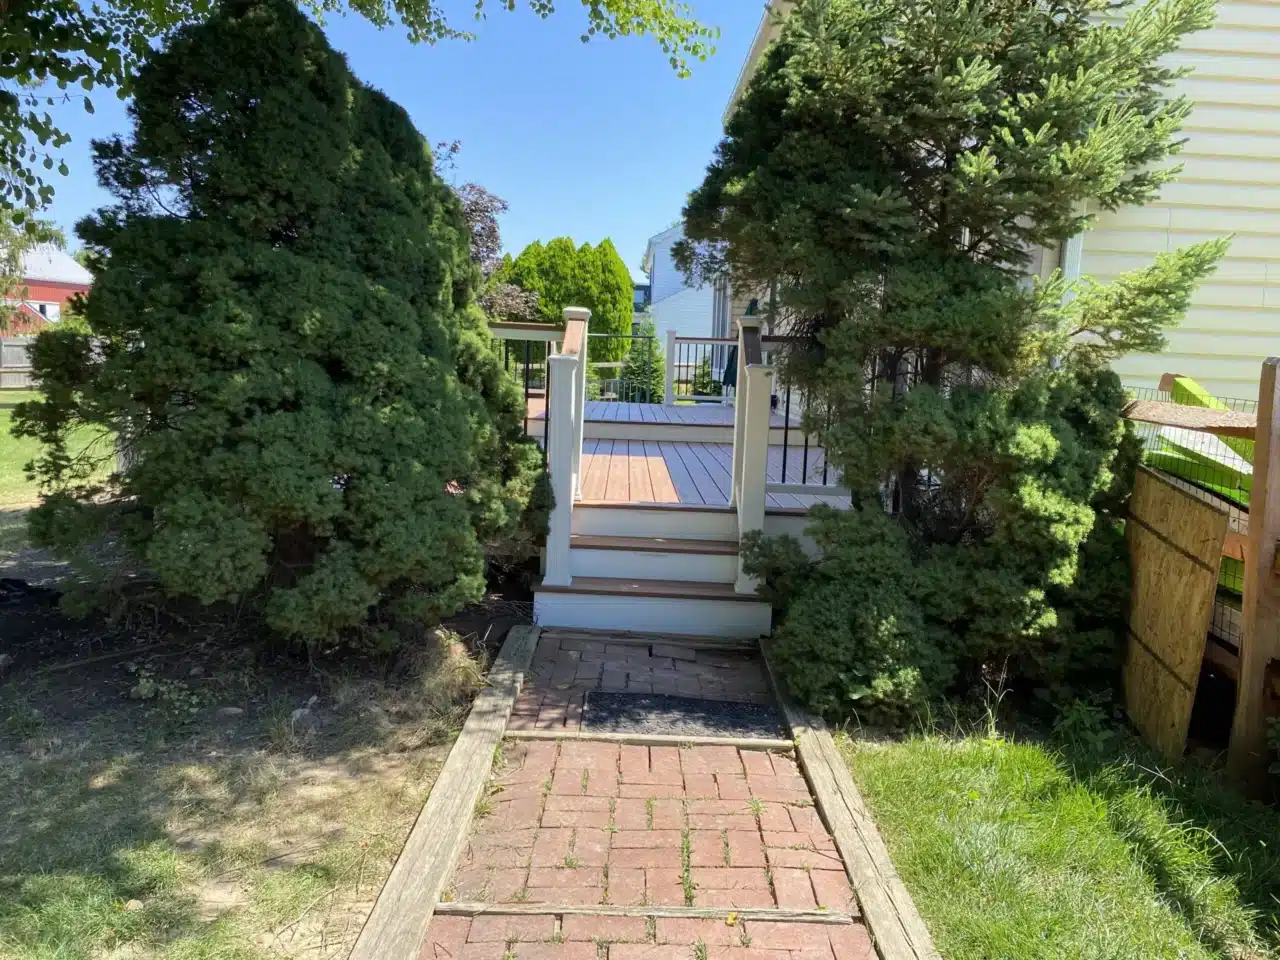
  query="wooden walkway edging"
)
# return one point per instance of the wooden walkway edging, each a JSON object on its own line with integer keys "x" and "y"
{"x": 895, "y": 925}
{"x": 398, "y": 922}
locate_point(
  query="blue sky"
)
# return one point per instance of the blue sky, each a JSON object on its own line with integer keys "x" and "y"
{"x": 587, "y": 140}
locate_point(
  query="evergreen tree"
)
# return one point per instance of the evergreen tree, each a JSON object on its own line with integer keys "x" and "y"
{"x": 644, "y": 374}
{"x": 889, "y": 171}
{"x": 562, "y": 275}
{"x": 705, "y": 385}
{"x": 312, "y": 413}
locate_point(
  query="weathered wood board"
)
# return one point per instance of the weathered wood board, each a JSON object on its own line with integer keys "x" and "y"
{"x": 398, "y": 923}
{"x": 1175, "y": 549}
{"x": 1260, "y": 640}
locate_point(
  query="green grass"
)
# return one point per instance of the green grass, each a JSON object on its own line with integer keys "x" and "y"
{"x": 16, "y": 453}
{"x": 17, "y": 493}
{"x": 1023, "y": 850}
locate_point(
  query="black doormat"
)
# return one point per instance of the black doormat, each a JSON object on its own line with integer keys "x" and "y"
{"x": 679, "y": 716}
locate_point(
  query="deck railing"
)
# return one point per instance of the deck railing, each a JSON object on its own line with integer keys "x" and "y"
{"x": 752, "y": 415}
{"x": 695, "y": 368}
{"x": 566, "y": 394}
{"x": 526, "y": 347}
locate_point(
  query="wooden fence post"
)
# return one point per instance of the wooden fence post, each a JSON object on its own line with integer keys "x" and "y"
{"x": 1260, "y": 637}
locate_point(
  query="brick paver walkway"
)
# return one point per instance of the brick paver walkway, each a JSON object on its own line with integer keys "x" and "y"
{"x": 581, "y": 823}
{"x": 589, "y": 823}
{"x": 568, "y": 664}
{"x": 568, "y": 937}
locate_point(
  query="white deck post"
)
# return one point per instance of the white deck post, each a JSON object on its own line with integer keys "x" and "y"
{"x": 669, "y": 390}
{"x": 561, "y": 432}
{"x": 740, "y": 409}
{"x": 754, "y": 398}
{"x": 570, "y": 315}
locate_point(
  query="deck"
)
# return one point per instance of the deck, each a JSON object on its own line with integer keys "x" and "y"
{"x": 661, "y": 471}
{"x": 691, "y": 414}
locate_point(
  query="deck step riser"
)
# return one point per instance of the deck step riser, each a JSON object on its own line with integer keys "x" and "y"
{"x": 648, "y": 565}
{"x": 673, "y": 524}
{"x": 597, "y": 611}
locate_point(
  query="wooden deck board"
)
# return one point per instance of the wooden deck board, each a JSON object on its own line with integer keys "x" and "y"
{"x": 641, "y": 484}
{"x": 669, "y": 471}
{"x": 704, "y": 414}
{"x": 664, "y": 488}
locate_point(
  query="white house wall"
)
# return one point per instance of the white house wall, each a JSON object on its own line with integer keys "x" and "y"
{"x": 688, "y": 312}
{"x": 1230, "y": 185}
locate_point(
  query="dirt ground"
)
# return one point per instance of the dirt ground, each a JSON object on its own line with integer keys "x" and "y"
{"x": 168, "y": 792}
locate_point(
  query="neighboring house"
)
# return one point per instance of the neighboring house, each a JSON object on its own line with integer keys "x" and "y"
{"x": 643, "y": 296}
{"x": 51, "y": 277}
{"x": 1230, "y": 185}
{"x": 675, "y": 305}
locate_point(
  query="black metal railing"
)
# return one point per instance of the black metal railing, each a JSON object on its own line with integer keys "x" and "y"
{"x": 699, "y": 365}
{"x": 801, "y": 411}
{"x": 624, "y": 368}
{"x": 526, "y": 363}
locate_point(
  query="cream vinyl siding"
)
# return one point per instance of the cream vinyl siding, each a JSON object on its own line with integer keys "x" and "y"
{"x": 1230, "y": 184}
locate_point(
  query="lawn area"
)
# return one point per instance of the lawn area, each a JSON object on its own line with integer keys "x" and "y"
{"x": 249, "y": 807}
{"x": 1021, "y": 850}
{"x": 17, "y": 493}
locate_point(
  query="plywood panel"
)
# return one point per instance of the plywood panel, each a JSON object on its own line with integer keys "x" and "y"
{"x": 1175, "y": 545}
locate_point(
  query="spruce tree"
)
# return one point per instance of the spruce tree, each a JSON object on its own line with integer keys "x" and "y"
{"x": 644, "y": 372}
{"x": 309, "y": 408}
{"x": 889, "y": 174}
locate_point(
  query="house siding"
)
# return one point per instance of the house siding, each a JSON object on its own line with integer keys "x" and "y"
{"x": 666, "y": 279}
{"x": 688, "y": 312}
{"x": 1230, "y": 184}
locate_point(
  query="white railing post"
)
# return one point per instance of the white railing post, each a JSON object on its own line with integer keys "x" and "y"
{"x": 562, "y": 377}
{"x": 753, "y": 398}
{"x": 572, "y": 315}
{"x": 740, "y": 409}
{"x": 669, "y": 391}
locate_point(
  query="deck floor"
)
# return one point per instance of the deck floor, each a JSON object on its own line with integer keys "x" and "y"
{"x": 661, "y": 471}
{"x": 701, "y": 414}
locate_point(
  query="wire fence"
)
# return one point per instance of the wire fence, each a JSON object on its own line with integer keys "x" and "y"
{"x": 1216, "y": 469}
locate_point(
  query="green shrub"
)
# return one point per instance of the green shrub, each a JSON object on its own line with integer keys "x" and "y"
{"x": 704, "y": 385}
{"x": 644, "y": 375}
{"x": 312, "y": 415}
{"x": 883, "y": 185}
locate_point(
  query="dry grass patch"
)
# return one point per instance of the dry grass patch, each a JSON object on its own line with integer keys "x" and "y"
{"x": 264, "y": 825}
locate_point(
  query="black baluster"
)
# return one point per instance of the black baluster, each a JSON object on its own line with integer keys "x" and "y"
{"x": 546, "y": 416}
{"x": 826, "y": 419}
{"x": 786, "y": 430}
{"x": 804, "y": 468}
{"x": 528, "y": 345}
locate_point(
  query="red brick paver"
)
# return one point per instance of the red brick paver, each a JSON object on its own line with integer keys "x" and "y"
{"x": 581, "y": 823}
{"x": 567, "y": 665}
{"x": 594, "y": 823}
{"x": 569, "y": 937}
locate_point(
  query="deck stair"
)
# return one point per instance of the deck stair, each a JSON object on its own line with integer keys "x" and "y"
{"x": 652, "y": 500}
